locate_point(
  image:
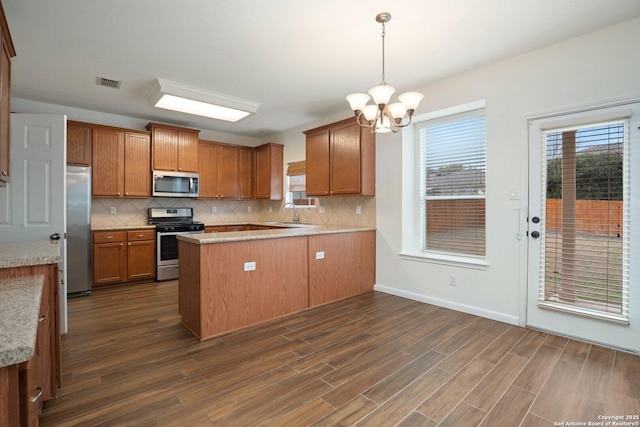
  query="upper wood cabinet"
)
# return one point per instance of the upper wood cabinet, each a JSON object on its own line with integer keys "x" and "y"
{"x": 269, "y": 171}
{"x": 340, "y": 160}
{"x": 121, "y": 163}
{"x": 218, "y": 165}
{"x": 246, "y": 170}
{"x": 6, "y": 53}
{"x": 79, "y": 146}
{"x": 174, "y": 148}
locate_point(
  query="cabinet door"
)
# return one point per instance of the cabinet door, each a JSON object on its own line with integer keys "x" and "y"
{"x": 165, "y": 149}
{"x": 246, "y": 170}
{"x": 345, "y": 159}
{"x": 5, "y": 112}
{"x": 109, "y": 257}
{"x": 269, "y": 172}
{"x": 228, "y": 172}
{"x": 317, "y": 163}
{"x": 187, "y": 156}
{"x": 208, "y": 167}
{"x": 79, "y": 144}
{"x": 137, "y": 165}
{"x": 107, "y": 178}
{"x": 141, "y": 260}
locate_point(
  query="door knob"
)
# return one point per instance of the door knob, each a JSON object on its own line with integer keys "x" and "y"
{"x": 535, "y": 234}
{"x": 535, "y": 220}
{"x": 55, "y": 236}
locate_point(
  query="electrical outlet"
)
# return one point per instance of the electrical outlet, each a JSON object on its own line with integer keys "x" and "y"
{"x": 250, "y": 266}
{"x": 453, "y": 280}
{"x": 320, "y": 255}
{"x": 113, "y": 209}
{"x": 214, "y": 209}
{"x": 249, "y": 209}
{"x": 321, "y": 209}
{"x": 358, "y": 209}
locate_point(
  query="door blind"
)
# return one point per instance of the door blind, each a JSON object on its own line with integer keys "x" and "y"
{"x": 585, "y": 250}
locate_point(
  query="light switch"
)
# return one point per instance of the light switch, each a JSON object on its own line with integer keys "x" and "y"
{"x": 358, "y": 209}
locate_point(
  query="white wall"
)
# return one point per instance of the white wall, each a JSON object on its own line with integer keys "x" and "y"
{"x": 598, "y": 67}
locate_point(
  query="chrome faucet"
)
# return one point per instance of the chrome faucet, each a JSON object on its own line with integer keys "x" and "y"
{"x": 296, "y": 218}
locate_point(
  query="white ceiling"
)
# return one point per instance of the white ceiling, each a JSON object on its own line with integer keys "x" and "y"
{"x": 297, "y": 58}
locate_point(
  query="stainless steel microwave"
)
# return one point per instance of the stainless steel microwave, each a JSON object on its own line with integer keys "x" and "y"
{"x": 175, "y": 184}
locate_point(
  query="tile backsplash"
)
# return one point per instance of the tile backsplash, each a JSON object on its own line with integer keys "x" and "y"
{"x": 337, "y": 211}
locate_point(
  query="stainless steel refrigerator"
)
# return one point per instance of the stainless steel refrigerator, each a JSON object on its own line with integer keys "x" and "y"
{"x": 78, "y": 230}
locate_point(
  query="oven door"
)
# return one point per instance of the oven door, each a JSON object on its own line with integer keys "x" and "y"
{"x": 167, "y": 247}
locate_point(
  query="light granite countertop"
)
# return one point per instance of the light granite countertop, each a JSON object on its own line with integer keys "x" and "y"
{"x": 287, "y": 230}
{"x": 21, "y": 254}
{"x": 19, "y": 312}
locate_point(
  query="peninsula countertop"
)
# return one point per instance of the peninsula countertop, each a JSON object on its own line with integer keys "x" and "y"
{"x": 282, "y": 230}
{"x": 20, "y": 254}
{"x": 19, "y": 312}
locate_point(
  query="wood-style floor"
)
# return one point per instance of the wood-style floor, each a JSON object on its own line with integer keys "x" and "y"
{"x": 374, "y": 360}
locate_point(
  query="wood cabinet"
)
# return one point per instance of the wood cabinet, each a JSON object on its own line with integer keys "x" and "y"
{"x": 121, "y": 163}
{"x": 121, "y": 256}
{"x": 269, "y": 171}
{"x": 246, "y": 172}
{"x": 226, "y": 171}
{"x": 340, "y": 160}
{"x": 109, "y": 257}
{"x": 345, "y": 268}
{"x": 40, "y": 377}
{"x": 173, "y": 148}
{"x": 7, "y": 51}
{"x": 141, "y": 254}
{"x": 79, "y": 145}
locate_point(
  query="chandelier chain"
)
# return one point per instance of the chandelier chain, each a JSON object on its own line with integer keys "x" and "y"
{"x": 383, "y": 34}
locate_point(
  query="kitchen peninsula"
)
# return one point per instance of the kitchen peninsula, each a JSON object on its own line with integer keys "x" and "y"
{"x": 232, "y": 280}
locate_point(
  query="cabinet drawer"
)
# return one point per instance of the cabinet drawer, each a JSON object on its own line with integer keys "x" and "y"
{"x": 137, "y": 235}
{"x": 108, "y": 236}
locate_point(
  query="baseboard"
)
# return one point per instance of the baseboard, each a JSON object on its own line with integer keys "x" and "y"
{"x": 493, "y": 315}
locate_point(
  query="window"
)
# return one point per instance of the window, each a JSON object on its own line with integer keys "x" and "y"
{"x": 452, "y": 184}
{"x": 296, "y": 186}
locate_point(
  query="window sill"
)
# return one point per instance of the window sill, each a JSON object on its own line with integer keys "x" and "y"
{"x": 442, "y": 259}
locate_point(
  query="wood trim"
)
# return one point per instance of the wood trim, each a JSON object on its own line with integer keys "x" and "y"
{"x": 6, "y": 34}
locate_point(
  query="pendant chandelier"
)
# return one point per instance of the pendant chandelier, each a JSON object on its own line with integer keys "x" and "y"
{"x": 382, "y": 117}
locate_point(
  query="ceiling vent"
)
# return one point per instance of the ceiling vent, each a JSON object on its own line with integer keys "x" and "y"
{"x": 113, "y": 84}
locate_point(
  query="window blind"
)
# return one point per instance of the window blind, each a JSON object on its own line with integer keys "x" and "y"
{"x": 297, "y": 184}
{"x": 585, "y": 255}
{"x": 453, "y": 168}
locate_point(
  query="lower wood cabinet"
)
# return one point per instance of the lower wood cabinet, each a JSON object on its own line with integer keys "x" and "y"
{"x": 39, "y": 377}
{"x": 121, "y": 256}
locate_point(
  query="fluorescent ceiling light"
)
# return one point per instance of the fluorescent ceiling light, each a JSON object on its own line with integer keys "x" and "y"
{"x": 191, "y": 100}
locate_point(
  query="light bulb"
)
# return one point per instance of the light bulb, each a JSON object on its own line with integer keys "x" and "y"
{"x": 410, "y": 100}
{"x": 381, "y": 94}
{"x": 357, "y": 101}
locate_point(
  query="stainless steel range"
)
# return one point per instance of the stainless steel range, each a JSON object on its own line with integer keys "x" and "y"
{"x": 171, "y": 222}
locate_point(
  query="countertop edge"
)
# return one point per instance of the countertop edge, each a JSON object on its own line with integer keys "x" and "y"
{"x": 21, "y": 254}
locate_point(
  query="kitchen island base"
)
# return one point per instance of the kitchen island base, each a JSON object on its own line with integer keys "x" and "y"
{"x": 225, "y": 286}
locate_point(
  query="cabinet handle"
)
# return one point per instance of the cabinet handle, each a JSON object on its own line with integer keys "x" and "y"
{"x": 118, "y": 193}
{"x": 4, "y": 173}
{"x": 128, "y": 244}
{"x": 109, "y": 237}
{"x": 44, "y": 316}
{"x": 126, "y": 194}
{"x": 35, "y": 398}
{"x": 140, "y": 235}
{"x": 121, "y": 244}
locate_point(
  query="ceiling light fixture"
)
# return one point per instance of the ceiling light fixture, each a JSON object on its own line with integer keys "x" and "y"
{"x": 382, "y": 117}
{"x": 192, "y": 100}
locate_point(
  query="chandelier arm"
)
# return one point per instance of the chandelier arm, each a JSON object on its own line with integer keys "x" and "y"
{"x": 358, "y": 116}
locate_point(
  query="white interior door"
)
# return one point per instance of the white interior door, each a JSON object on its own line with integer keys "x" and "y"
{"x": 583, "y": 246}
{"x": 34, "y": 202}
